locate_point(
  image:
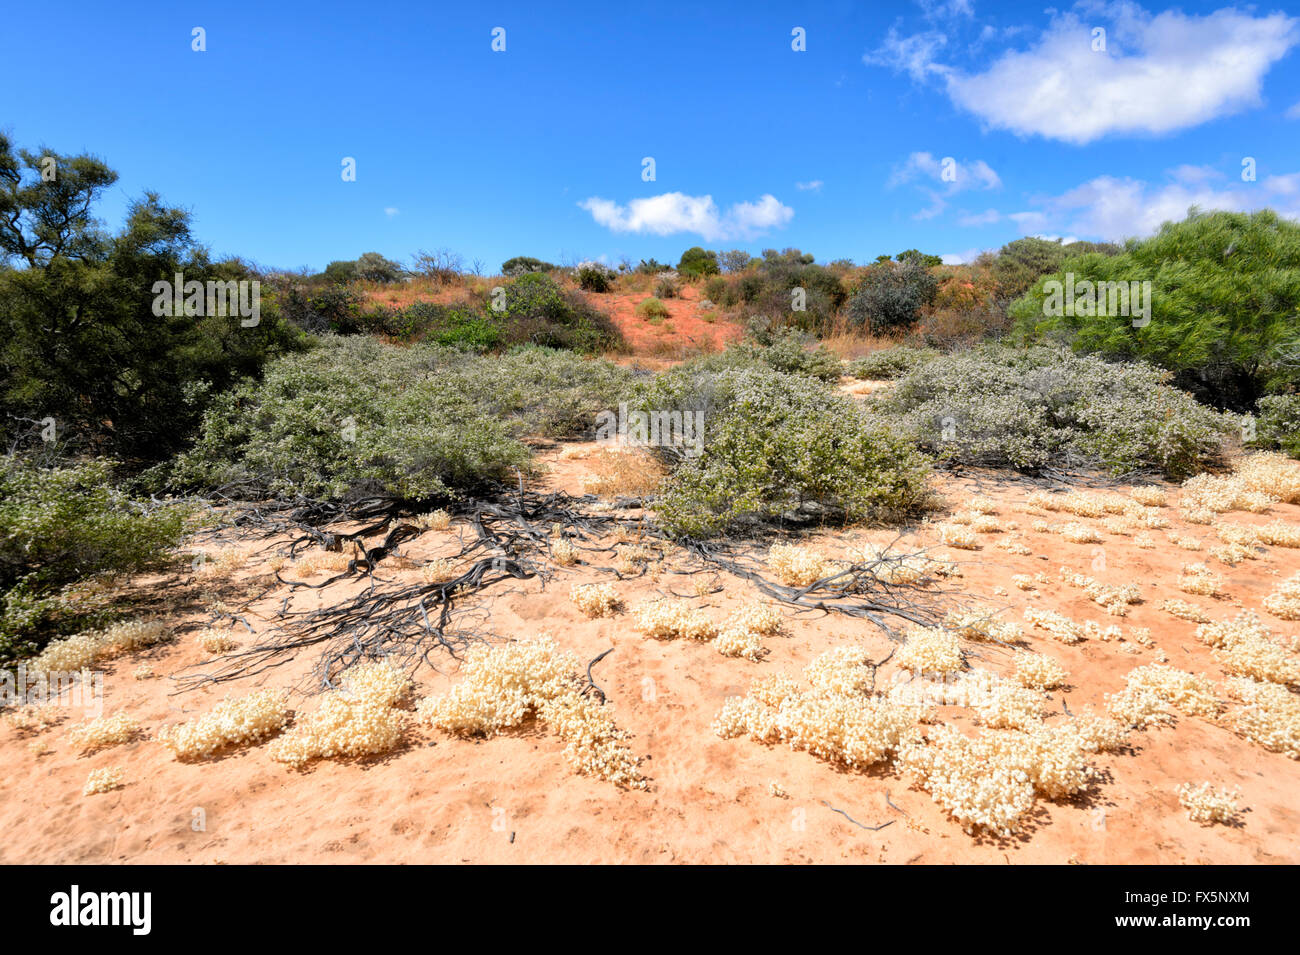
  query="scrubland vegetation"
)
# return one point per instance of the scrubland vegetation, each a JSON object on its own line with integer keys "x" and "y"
{"x": 418, "y": 402}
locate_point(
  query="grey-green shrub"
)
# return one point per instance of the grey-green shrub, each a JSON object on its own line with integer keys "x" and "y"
{"x": 1040, "y": 407}
{"x": 776, "y": 444}
{"x": 1278, "y": 426}
{"x": 417, "y": 422}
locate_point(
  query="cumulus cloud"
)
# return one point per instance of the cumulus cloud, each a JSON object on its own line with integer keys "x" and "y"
{"x": 1115, "y": 208}
{"x": 1157, "y": 74}
{"x": 675, "y": 212}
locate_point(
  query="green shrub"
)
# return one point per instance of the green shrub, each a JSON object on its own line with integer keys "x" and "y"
{"x": 891, "y": 296}
{"x": 373, "y": 267}
{"x": 457, "y": 326}
{"x": 779, "y": 445}
{"x": 521, "y": 264}
{"x": 653, "y": 309}
{"x": 890, "y": 363}
{"x": 717, "y": 290}
{"x": 1278, "y": 426}
{"x": 539, "y": 312}
{"x": 62, "y": 524}
{"x": 1021, "y": 263}
{"x": 1224, "y": 305}
{"x": 1043, "y": 407}
{"x": 696, "y": 261}
{"x": 594, "y": 277}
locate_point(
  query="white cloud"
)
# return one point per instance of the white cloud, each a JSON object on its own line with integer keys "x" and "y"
{"x": 967, "y": 174}
{"x": 961, "y": 258}
{"x": 1157, "y": 74}
{"x": 391, "y": 211}
{"x": 677, "y": 212}
{"x": 1114, "y": 208}
{"x": 913, "y": 54}
{"x": 813, "y": 186}
{"x": 987, "y": 217}
{"x": 952, "y": 177}
{"x": 1293, "y": 112}
{"x": 947, "y": 9}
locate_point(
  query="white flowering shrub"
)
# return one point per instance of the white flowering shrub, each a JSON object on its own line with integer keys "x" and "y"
{"x": 1038, "y": 672}
{"x": 835, "y": 719}
{"x": 504, "y": 687}
{"x": 930, "y": 650}
{"x": 1207, "y": 805}
{"x": 595, "y": 600}
{"x": 1199, "y": 579}
{"x": 103, "y": 732}
{"x": 669, "y": 619}
{"x": 103, "y": 781}
{"x": 1270, "y": 717}
{"x": 233, "y": 723}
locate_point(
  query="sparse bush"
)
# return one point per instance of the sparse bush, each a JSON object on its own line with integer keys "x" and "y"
{"x": 667, "y": 287}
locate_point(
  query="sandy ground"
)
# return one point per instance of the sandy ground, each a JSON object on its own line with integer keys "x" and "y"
{"x": 514, "y": 798}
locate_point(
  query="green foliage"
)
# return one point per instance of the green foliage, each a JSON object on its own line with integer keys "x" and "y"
{"x": 1044, "y": 407}
{"x": 331, "y": 308}
{"x": 696, "y": 261}
{"x": 652, "y": 267}
{"x": 778, "y": 446}
{"x": 419, "y": 422}
{"x": 79, "y": 337}
{"x": 524, "y": 263}
{"x": 538, "y": 311}
{"x": 1225, "y": 305}
{"x": 653, "y": 309}
{"x": 373, "y": 267}
{"x": 1021, "y": 263}
{"x": 891, "y": 296}
{"x": 1278, "y": 426}
{"x": 890, "y": 363}
{"x": 734, "y": 260}
{"x": 340, "y": 271}
{"x": 920, "y": 258}
{"x": 594, "y": 277}
{"x": 59, "y": 525}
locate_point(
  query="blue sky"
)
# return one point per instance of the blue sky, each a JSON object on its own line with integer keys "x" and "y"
{"x": 838, "y": 149}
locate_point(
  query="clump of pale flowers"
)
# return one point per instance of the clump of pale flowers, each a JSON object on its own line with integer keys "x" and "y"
{"x": 232, "y": 723}
{"x": 1207, "y": 805}
{"x": 506, "y": 686}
